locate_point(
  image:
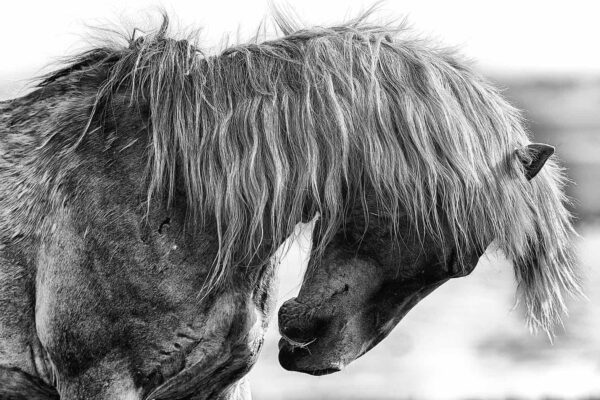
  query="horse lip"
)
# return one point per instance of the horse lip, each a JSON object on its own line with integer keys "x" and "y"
{"x": 290, "y": 359}
{"x": 320, "y": 372}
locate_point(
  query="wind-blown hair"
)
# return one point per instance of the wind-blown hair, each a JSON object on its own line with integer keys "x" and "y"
{"x": 264, "y": 132}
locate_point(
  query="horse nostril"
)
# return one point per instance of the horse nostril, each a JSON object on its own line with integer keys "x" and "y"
{"x": 290, "y": 310}
{"x": 296, "y": 323}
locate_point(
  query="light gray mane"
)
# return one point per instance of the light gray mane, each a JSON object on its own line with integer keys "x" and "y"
{"x": 264, "y": 131}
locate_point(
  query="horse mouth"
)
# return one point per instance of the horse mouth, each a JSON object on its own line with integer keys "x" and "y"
{"x": 293, "y": 357}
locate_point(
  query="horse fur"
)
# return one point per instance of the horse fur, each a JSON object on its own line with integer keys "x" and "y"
{"x": 263, "y": 133}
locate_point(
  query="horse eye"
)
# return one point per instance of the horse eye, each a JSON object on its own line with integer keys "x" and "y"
{"x": 164, "y": 225}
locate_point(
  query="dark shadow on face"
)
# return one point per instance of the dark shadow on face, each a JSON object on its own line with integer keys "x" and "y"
{"x": 354, "y": 295}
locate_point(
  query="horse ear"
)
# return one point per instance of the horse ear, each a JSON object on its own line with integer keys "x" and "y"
{"x": 533, "y": 157}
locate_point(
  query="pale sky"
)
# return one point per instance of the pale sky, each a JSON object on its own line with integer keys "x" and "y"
{"x": 508, "y": 36}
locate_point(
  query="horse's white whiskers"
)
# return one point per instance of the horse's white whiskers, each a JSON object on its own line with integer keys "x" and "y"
{"x": 294, "y": 343}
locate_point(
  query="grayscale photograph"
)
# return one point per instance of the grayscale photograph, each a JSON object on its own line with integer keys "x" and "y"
{"x": 299, "y": 200}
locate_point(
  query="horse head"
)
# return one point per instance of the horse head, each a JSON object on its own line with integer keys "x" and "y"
{"x": 367, "y": 279}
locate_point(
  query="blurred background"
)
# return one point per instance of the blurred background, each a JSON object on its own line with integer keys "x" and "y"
{"x": 466, "y": 340}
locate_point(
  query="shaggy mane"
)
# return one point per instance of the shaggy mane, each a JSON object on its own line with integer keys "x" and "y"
{"x": 264, "y": 132}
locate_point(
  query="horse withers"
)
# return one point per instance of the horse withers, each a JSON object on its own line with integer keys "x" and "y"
{"x": 145, "y": 186}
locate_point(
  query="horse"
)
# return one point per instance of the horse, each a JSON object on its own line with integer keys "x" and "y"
{"x": 145, "y": 187}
